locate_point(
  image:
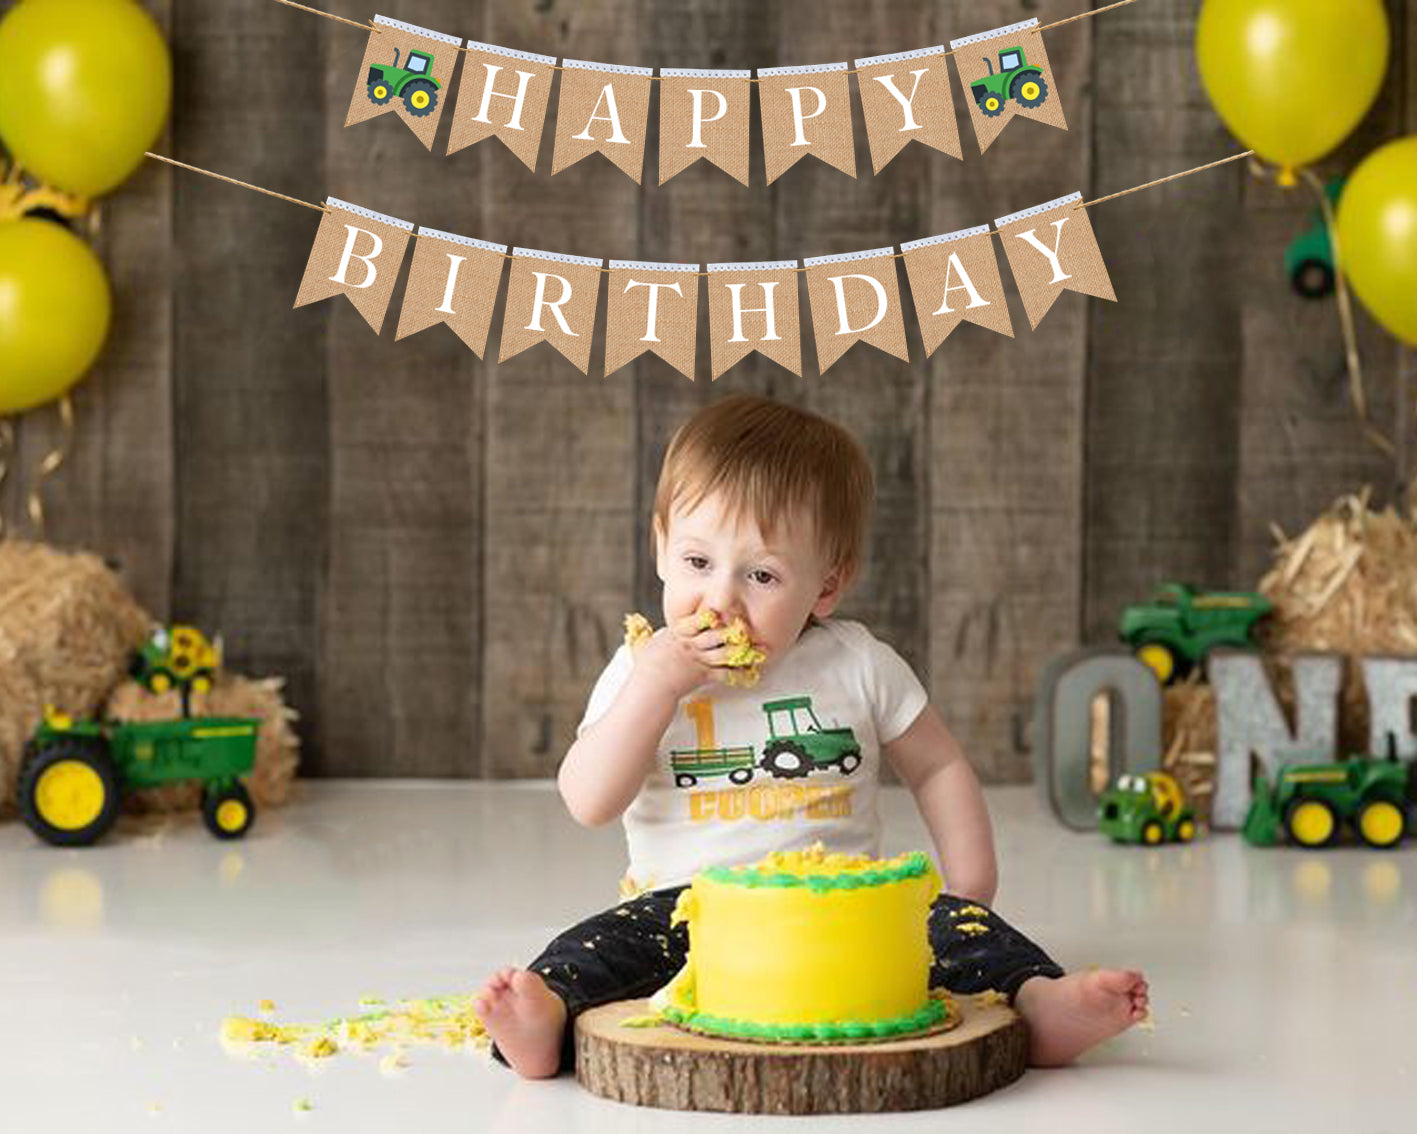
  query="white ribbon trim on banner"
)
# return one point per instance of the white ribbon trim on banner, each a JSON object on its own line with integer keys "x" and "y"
{"x": 979, "y": 37}
{"x": 899, "y": 56}
{"x": 701, "y": 73}
{"x": 529, "y": 56}
{"x": 1036, "y": 209}
{"x": 613, "y": 68}
{"x": 841, "y": 257}
{"x": 370, "y": 213}
{"x": 650, "y": 266}
{"x": 805, "y": 69}
{"x": 945, "y": 238}
{"x": 754, "y": 266}
{"x": 558, "y": 257}
{"x": 416, "y": 30}
{"x": 470, "y": 241}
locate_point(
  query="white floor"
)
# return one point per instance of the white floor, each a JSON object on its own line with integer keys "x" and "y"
{"x": 1285, "y": 982}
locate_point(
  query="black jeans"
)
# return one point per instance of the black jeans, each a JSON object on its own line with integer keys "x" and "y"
{"x": 632, "y": 951}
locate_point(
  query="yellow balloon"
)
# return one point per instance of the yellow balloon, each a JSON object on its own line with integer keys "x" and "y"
{"x": 1292, "y": 78}
{"x": 1377, "y": 235}
{"x": 54, "y": 312}
{"x": 85, "y": 87}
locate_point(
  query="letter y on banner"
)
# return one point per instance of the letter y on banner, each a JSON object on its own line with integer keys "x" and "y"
{"x": 453, "y": 280}
{"x": 406, "y": 69}
{"x": 1052, "y": 249}
{"x": 652, "y": 307}
{"x": 551, "y": 297}
{"x": 1005, "y": 72}
{"x": 906, "y": 96}
{"x": 503, "y": 94}
{"x": 357, "y": 253}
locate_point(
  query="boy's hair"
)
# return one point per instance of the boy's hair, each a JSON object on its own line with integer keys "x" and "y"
{"x": 767, "y": 459}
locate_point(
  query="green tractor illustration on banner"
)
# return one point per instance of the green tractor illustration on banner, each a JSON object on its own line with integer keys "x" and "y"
{"x": 1015, "y": 80}
{"x": 413, "y": 82}
{"x": 1149, "y": 808}
{"x": 1179, "y": 626}
{"x": 797, "y": 746}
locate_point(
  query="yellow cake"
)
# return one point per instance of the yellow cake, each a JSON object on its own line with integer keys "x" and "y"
{"x": 807, "y": 946}
{"x": 744, "y": 657}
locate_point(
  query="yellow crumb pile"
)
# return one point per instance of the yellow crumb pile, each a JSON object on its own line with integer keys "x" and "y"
{"x": 743, "y": 654}
{"x": 448, "y": 1021}
{"x": 816, "y": 859}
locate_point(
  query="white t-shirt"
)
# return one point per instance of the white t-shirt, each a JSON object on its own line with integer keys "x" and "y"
{"x": 792, "y": 761}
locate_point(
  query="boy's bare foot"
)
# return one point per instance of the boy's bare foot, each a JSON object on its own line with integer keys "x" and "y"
{"x": 1068, "y": 1015}
{"x": 525, "y": 1020}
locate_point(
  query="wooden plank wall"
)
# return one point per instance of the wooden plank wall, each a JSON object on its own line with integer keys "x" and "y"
{"x": 437, "y": 550}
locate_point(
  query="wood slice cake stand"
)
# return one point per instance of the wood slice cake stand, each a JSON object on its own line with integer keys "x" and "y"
{"x": 664, "y": 1066}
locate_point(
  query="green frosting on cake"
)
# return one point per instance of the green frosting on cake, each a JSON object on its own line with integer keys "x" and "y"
{"x": 910, "y": 866}
{"x": 935, "y": 1011}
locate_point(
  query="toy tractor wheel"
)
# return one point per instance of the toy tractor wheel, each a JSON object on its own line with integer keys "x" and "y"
{"x": 1152, "y": 832}
{"x": 420, "y": 98}
{"x": 740, "y": 775}
{"x": 1185, "y": 830}
{"x": 683, "y": 779}
{"x": 1312, "y": 279}
{"x": 1381, "y": 823}
{"x": 380, "y": 93}
{"x": 992, "y": 105}
{"x": 159, "y": 681}
{"x": 786, "y": 760}
{"x": 1160, "y": 659}
{"x": 1311, "y": 823}
{"x": 69, "y": 792}
{"x": 849, "y": 762}
{"x": 1029, "y": 90}
{"x": 201, "y": 682}
{"x": 228, "y": 812}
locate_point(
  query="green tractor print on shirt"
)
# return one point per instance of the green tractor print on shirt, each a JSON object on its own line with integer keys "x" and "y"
{"x": 796, "y": 746}
{"x": 1015, "y": 80}
{"x": 413, "y": 82}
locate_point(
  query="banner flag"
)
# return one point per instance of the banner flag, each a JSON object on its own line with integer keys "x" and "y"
{"x": 753, "y": 306}
{"x": 955, "y": 277}
{"x": 806, "y": 110}
{"x": 703, "y": 114}
{"x": 454, "y": 280}
{"x": 1006, "y": 73}
{"x": 502, "y": 94}
{"x": 357, "y": 253}
{"x": 603, "y": 108}
{"x": 652, "y": 307}
{"x": 406, "y": 69}
{"x": 907, "y": 96}
{"x": 551, "y": 297}
{"x": 1052, "y": 249}
{"x": 855, "y": 298}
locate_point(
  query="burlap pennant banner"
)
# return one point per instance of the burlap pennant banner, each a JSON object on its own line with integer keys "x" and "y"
{"x": 955, "y": 277}
{"x": 806, "y": 110}
{"x": 703, "y": 114}
{"x": 357, "y": 253}
{"x": 1052, "y": 249}
{"x": 753, "y": 306}
{"x": 454, "y": 280}
{"x": 1005, "y": 72}
{"x": 855, "y": 298}
{"x": 551, "y": 298}
{"x": 502, "y": 94}
{"x": 406, "y": 69}
{"x": 906, "y": 96}
{"x": 603, "y": 108}
{"x": 652, "y": 307}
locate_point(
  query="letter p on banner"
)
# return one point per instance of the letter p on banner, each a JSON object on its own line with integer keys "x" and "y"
{"x": 357, "y": 253}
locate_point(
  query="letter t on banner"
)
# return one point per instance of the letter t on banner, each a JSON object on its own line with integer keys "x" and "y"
{"x": 652, "y": 307}
{"x": 1052, "y": 249}
{"x": 503, "y": 94}
{"x": 357, "y": 253}
{"x": 855, "y": 298}
{"x": 551, "y": 298}
{"x": 453, "y": 280}
{"x": 753, "y": 306}
{"x": 406, "y": 69}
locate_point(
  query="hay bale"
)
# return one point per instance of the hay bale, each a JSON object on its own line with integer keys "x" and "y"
{"x": 67, "y": 629}
{"x": 277, "y": 747}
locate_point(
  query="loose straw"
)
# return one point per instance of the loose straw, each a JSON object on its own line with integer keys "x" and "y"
{"x": 895, "y": 255}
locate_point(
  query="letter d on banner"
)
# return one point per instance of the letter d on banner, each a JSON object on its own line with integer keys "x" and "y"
{"x": 357, "y": 253}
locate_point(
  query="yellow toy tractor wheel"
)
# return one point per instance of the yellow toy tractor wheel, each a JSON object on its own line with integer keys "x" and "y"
{"x": 1185, "y": 830}
{"x": 1381, "y": 823}
{"x": 1311, "y": 823}
{"x": 1152, "y": 833}
{"x": 228, "y": 812}
{"x": 159, "y": 682}
{"x": 202, "y": 683}
{"x": 992, "y": 105}
{"x": 1160, "y": 659}
{"x": 69, "y": 792}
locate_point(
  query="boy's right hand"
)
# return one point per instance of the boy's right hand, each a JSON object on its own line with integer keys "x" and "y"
{"x": 681, "y": 657}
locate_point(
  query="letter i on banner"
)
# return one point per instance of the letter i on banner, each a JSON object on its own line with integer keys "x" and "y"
{"x": 703, "y": 114}
{"x": 955, "y": 277}
{"x": 453, "y": 280}
{"x": 357, "y": 253}
{"x": 1052, "y": 249}
{"x": 603, "y": 108}
{"x": 855, "y": 298}
{"x": 652, "y": 307}
{"x": 806, "y": 110}
{"x": 906, "y": 96}
{"x": 753, "y": 306}
{"x": 551, "y": 298}
{"x": 406, "y": 69}
{"x": 503, "y": 94}
{"x": 1005, "y": 72}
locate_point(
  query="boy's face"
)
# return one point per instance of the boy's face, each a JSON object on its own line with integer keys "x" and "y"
{"x": 705, "y": 559}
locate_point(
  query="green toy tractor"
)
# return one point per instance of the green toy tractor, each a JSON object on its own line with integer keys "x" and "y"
{"x": 1015, "y": 79}
{"x": 73, "y": 773}
{"x": 1309, "y": 803}
{"x": 413, "y": 82}
{"x": 804, "y": 745}
{"x": 1148, "y": 809}
{"x": 1308, "y": 260}
{"x": 1179, "y": 626}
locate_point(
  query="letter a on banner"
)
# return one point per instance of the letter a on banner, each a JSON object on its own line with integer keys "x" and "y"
{"x": 406, "y": 69}
{"x": 453, "y": 280}
{"x": 1005, "y": 72}
{"x": 551, "y": 298}
{"x": 1052, "y": 249}
{"x": 753, "y": 306}
{"x": 652, "y": 307}
{"x": 357, "y": 253}
{"x": 502, "y": 94}
{"x": 603, "y": 108}
{"x": 703, "y": 114}
{"x": 907, "y": 96}
{"x": 806, "y": 110}
{"x": 955, "y": 277}
{"x": 855, "y": 298}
